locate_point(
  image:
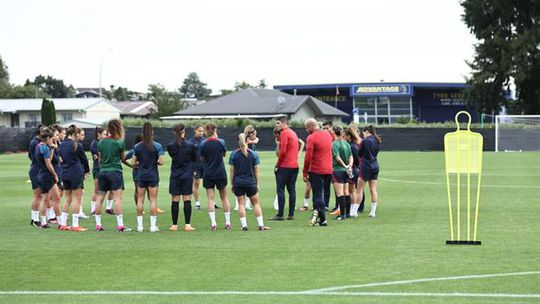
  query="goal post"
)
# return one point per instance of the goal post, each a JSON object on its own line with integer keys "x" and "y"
{"x": 517, "y": 133}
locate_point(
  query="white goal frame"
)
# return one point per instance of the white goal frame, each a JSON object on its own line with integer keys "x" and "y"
{"x": 498, "y": 119}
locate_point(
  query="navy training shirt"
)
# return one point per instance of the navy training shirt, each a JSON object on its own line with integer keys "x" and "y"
{"x": 74, "y": 161}
{"x": 134, "y": 170}
{"x": 31, "y": 149}
{"x": 95, "y": 154}
{"x": 183, "y": 156}
{"x": 148, "y": 166}
{"x": 196, "y": 141}
{"x": 244, "y": 167}
{"x": 355, "y": 149}
{"x": 368, "y": 151}
{"x": 42, "y": 152}
{"x": 213, "y": 150}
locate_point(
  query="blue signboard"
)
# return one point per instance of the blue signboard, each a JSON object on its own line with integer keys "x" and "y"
{"x": 387, "y": 89}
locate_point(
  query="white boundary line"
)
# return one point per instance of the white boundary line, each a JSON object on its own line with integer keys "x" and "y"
{"x": 402, "y": 282}
{"x": 320, "y": 292}
{"x": 438, "y": 184}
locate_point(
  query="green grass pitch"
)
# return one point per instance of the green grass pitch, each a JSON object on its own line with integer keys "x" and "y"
{"x": 377, "y": 257}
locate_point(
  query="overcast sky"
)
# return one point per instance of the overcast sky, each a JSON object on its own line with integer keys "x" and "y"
{"x": 284, "y": 42}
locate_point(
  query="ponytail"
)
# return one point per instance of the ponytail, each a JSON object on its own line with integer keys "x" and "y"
{"x": 115, "y": 128}
{"x": 352, "y": 131}
{"x": 179, "y": 131}
{"x": 242, "y": 143}
{"x": 372, "y": 131}
{"x": 210, "y": 129}
{"x": 148, "y": 136}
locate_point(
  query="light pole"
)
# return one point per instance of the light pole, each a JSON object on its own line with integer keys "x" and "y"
{"x": 101, "y": 69}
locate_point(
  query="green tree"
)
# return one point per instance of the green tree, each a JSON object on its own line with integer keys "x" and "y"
{"x": 166, "y": 102}
{"x": 4, "y": 75}
{"x": 193, "y": 87}
{"x": 48, "y": 113}
{"x": 52, "y": 86}
{"x": 509, "y": 34}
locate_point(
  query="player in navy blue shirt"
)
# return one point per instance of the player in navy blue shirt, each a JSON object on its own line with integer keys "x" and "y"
{"x": 32, "y": 174}
{"x": 148, "y": 154}
{"x": 244, "y": 175}
{"x": 53, "y": 207}
{"x": 46, "y": 176}
{"x": 213, "y": 150}
{"x": 197, "y": 165}
{"x": 74, "y": 167}
{"x": 369, "y": 168}
{"x": 183, "y": 153}
{"x": 352, "y": 136}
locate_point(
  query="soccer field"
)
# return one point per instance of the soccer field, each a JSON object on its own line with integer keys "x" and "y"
{"x": 399, "y": 257}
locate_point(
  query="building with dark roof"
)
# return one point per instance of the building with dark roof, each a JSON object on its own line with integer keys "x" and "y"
{"x": 136, "y": 109}
{"x": 261, "y": 104}
{"x": 385, "y": 103}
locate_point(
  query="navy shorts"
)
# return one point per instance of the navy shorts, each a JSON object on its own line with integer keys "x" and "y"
{"x": 146, "y": 184}
{"x": 354, "y": 179}
{"x": 180, "y": 186}
{"x": 73, "y": 183}
{"x": 248, "y": 191}
{"x": 367, "y": 174}
{"x": 33, "y": 177}
{"x": 46, "y": 183}
{"x": 340, "y": 177}
{"x": 197, "y": 173}
{"x": 219, "y": 183}
{"x": 110, "y": 181}
{"x": 95, "y": 173}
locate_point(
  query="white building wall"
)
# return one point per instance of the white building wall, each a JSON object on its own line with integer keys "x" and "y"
{"x": 101, "y": 112}
{"x": 5, "y": 120}
{"x": 303, "y": 113}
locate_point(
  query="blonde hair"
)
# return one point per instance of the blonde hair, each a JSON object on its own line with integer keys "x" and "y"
{"x": 242, "y": 143}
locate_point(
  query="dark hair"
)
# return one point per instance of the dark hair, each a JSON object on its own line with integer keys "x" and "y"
{"x": 199, "y": 126}
{"x": 372, "y": 131}
{"x": 283, "y": 119}
{"x": 328, "y": 123}
{"x": 73, "y": 130}
{"x": 277, "y": 133}
{"x": 98, "y": 131}
{"x": 115, "y": 128}
{"x": 45, "y": 133}
{"x": 138, "y": 138}
{"x": 57, "y": 127}
{"x": 148, "y": 136}
{"x": 179, "y": 132}
{"x": 338, "y": 130}
{"x": 210, "y": 129}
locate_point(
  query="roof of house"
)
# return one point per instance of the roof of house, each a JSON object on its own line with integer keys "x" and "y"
{"x": 136, "y": 108}
{"x": 260, "y": 102}
{"x": 60, "y": 104}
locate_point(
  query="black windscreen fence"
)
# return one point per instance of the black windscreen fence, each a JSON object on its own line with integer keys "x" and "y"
{"x": 394, "y": 139}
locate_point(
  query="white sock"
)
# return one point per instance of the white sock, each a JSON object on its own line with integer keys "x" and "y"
{"x": 109, "y": 204}
{"x": 35, "y": 216}
{"x": 260, "y": 221}
{"x": 92, "y": 206}
{"x": 306, "y": 202}
{"x": 43, "y": 220}
{"x": 248, "y": 202}
{"x": 75, "y": 220}
{"x": 98, "y": 220}
{"x": 63, "y": 219}
{"x": 120, "y": 220}
{"x": 276, "y": 204}
{"x": 212, "y": 216}
{"x": 153, "y": 221}
{"x": 197, "y": 203}
{"x": 373, "y": 208}
{"x": 236, "y": 206}
{"x": 354, "y": 209}
{"x": 81, "y": 212}
{"x": 50, "y": 213}
{"x": 227, "y": 218}
{"x": 243, "y": 222}
{"x": 139, "y": 221}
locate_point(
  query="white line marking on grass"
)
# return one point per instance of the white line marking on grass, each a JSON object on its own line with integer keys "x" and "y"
{"x": 439, "y": 184}
{"x": 402, "y": 282}
{"x": 267, "y": 293}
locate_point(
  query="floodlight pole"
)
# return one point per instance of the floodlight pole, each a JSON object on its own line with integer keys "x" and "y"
{"x": 101, "y": 69}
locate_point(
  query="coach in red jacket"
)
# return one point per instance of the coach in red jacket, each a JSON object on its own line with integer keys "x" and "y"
{"x": 286, "y": 168}
{"x": 317, "y": 167}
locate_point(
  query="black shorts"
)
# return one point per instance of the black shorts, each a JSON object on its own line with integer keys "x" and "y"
{"x": 180, "y": 186}
{"x": 95, "y": 173}
{"x": 219, "y": 183}
{"x": 32, "y": 174}
{"x": 197, "y": 173}
{"x": 340, "y": 177}
{"x": 146, "y": 184}
{"x": 110, "y": 181}
{"x": 248, "y": 191}
{"x": 368, "y": 175}
{"x": 73, "y": 183}
{"x": 45, "y": 183}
